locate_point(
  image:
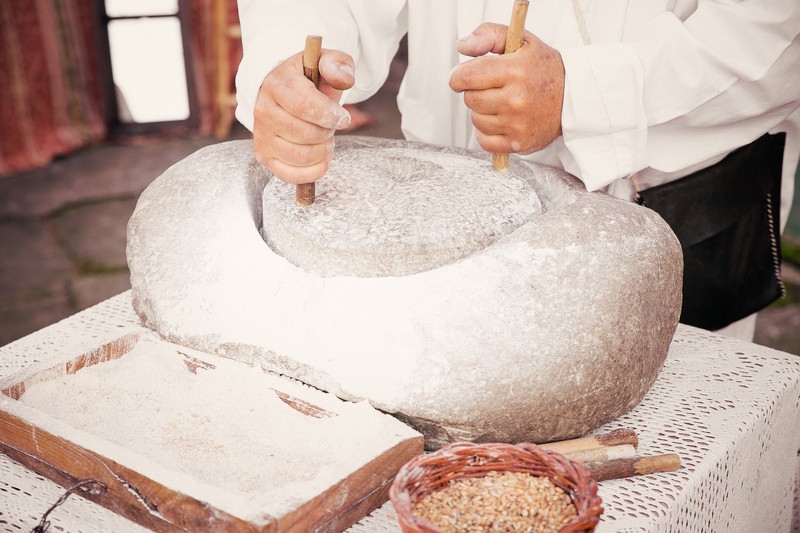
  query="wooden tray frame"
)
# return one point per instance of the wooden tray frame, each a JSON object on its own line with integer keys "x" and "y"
{"x": 26, "y": 437}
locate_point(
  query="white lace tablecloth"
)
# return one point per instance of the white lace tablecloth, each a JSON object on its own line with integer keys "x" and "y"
{"x": 730, "y": 409}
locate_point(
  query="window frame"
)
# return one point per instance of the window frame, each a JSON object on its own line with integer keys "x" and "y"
{"x": 115, "y": 126}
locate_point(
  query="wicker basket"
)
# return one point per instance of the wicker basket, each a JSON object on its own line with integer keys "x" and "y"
{"x": 428, "y": 473}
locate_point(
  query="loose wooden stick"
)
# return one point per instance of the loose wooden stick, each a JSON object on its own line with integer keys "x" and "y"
{"x": 613, "y": 438}
{"x": 622, "y": 451}
{"x": 305, "y": 193}
{"x": 633, "y": 466}
{"x": 513, "y": 42}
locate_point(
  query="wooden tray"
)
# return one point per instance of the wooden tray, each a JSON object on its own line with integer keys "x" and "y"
{"x": 154, "y": 495}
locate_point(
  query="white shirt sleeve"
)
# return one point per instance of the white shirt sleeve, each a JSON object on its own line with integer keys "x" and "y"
{"x": 667, "y": 97}
{"x": 274, "y": 30}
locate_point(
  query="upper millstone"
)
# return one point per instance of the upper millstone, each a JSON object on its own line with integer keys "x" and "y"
{"x": 396, "y": 212}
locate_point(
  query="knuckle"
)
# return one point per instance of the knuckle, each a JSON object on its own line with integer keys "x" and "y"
{"x": 306, "y": 156}
{"x": 262, "y": 151}
{"x": 287, "y": 178}
{"x": 517, "y": 71}
{"x": 323, "y": 169}
{"x": 295, "y": 129}
{"x": 470, "y": 99}
{"x": 455, "y": 82}
{"x": 273, "y": 84}
{"x": 476, "y": 121}
{"x": 309, "y": 174}
{"x": 479, "y": 122}
{"x": 264, "y": 107}
{"x": 298, "y": 104}
{"x": 517, "y": 102}
{"x": 466, "y": 75}
{"x": 266, "y": 161}
{"x": 263, "y": 159}
{"x": 484, "y": 141}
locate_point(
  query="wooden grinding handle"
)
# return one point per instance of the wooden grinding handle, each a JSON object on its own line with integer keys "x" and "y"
{"x": 614, "y": 438}
{"x": 513, "y": 42}
{"x": 608, "y": 453}
{"x": 633, "y": 466}
{"x": 305, "y": 193}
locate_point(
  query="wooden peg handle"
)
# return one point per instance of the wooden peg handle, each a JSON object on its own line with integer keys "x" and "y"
{"x": 614, "y": 438}
{"x": 608, "y": 453}
{"x": 633, "y": 466}
{"x": 305, "y": 193}
{"x": 311, "y": 58}
{"x": 513, "y": 42}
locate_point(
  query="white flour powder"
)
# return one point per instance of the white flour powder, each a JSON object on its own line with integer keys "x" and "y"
{"x": 223, "y": 426}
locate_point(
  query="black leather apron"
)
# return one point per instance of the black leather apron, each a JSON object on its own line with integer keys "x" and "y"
{"x": 726, "y": 218}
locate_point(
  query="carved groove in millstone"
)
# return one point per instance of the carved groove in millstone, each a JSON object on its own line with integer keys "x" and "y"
{"x": 395, "y": 212}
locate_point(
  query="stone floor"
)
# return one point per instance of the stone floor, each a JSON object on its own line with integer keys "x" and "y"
{"x": 62, "y": 229}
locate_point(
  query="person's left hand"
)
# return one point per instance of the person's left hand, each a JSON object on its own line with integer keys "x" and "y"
{"x": 515, "y": 98}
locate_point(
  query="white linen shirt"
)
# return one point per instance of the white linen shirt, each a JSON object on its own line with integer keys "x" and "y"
{"x": 656, "y": 88}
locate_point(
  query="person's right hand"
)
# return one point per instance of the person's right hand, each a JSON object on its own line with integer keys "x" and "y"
{"x": 295, "y": 122}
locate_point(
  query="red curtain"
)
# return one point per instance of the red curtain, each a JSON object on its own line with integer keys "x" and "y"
{"x": 50, "y": 90}
{"x": 51, "y": 99}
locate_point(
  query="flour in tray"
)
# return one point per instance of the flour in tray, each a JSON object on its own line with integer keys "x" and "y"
{"x": 224, "y": 426}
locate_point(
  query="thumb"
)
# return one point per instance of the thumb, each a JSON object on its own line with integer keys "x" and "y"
{"x": 337, "y": 71}
{"x": 488, "y": 37}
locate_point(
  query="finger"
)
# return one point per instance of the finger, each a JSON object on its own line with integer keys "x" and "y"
{"x": 296, "y": 130}
{"x": 488, "y": 37}
{"x": 488, "y": 124}
{"x": 300, "y": 155}
{"x": 298, "y": 174}
{"x": 497, "y": 144}
{"x": 486, "y": 102}
{"x": 298, "y": 96}
{"x": 478, "y": 74}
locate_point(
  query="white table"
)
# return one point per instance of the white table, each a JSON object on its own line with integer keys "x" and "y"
{"x": 730, "y": 409}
